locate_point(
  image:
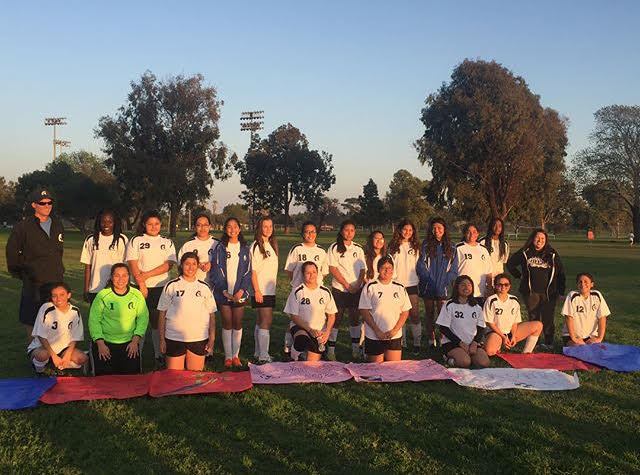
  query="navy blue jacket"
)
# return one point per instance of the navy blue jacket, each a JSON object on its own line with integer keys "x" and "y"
{"x": 218, "y": 273}
{"x": 437, "y": 273}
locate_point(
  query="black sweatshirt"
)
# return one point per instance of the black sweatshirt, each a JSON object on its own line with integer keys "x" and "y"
{"x": 539, "y": 272}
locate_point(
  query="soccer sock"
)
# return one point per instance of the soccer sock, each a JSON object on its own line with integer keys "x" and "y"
{"x": 263, "y": 338}
{"x": 530, "y": 344}
{"x": 288, "y": 339}
{"x": 155, "y": 338}
{"x": 355, "y": 337}
{"x": 39, "y": 365}
{"x": 236, "y": 337}
{"x": 256, "y": 341}
{"x": 333, "y": 337}
{"x": 226, "y": 343}
{"x": 416, "y": 331}
{"x": 294, "y": 354}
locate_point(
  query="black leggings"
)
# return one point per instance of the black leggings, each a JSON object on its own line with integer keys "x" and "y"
{"x": 542, "y": 309}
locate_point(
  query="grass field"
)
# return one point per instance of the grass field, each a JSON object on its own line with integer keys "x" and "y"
{"x": 346, "y": 427}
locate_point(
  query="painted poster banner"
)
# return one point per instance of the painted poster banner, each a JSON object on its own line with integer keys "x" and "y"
{"x": 98, "y": 387}
{"x": 172, "y": 382}
{"x": 615, "y": 357}
{"x": 511, "y": 378}
{"x": 398, "y": 371}
{"x": 299, "y": 372}
{"x": 21, "y": 393}
{"x": 546, "y": 361}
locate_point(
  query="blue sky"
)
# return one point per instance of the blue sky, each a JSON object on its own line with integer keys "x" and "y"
{"x": 352, "y": 76}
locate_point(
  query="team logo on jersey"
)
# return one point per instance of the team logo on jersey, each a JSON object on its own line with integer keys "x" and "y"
{"x": 482, "y": 257}
{"x": 60, "y": 239}
{"x": 474, "y": 315}
{"x": 513, "y": 310}
{"x": 411, "y": 252}
{"x": 355, "y": 254}
{"x": 593, "y": 307}
{"x": 198, "y": 294}
{"x": 268, "y": 253}
{"x": 163, "y": 246}
{"x": 70, "y": 325}
{"x": 396, "y": 295}
{"x": 210, "y": 252}
{"x": 129, "y": 306}
{"x": 321, "y": 301}
{"x": 316, "y": 258}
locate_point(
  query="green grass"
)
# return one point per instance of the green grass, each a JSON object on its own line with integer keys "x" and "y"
{"x": 347, "y": 427}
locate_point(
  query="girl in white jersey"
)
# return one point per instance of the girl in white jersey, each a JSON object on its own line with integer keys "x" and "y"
{"x": 150, "y": 257}
{"x": 502, "y": 316}
{"x": 203, "y": 244}
{"x": 347, "y": 266}
{"x": 585, "y": 314}
{"x": 264, "y": 273}
{"x": 474, "y": 261}
{"x": 306, "y": 251}
{"x": 105, "y": 247}
{"x": 405, "y": 250}
{"x": 496, "y": 245}
{"x": 187, "y": 320}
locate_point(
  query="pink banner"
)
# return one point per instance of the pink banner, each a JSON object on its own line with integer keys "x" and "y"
{"x": 171, "y": 382}
{"x": 545, "y": 361}
{"x": 398, "y": 371}
{"x": 100, "y": 387}
{"x": 299, "y": 372}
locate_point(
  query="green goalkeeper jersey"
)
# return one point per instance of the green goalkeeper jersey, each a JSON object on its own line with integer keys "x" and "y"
{"x": 116, "y": 318}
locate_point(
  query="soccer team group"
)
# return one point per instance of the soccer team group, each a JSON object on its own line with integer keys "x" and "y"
{"x": 465, "y": 291}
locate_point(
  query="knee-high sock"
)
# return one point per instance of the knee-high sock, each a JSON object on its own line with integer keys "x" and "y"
{"x": 236, "y": 340}
{"x": 226, "y": 343}
{"x": 39, "y": 365}
{"x": 416, "y": 331}
{"x": 288, "y": 339}
{"x": 354, "y": 331}
{"x": 155, "y": 337}
{"x": 256, "y": 341}
{"x": 331, "y": 343}
{"x": 264, "y": 338}
{"x": 530, "y": 344}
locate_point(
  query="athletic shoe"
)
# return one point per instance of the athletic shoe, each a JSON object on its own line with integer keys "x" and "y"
{"x": 416, "y": 350}
{"x": 236, "y": 361}
{"x": 268, "y": 359}
{"x": 228, "y": 363}
{"x": 286, "y": 350}
{"x": 302, "y": 356}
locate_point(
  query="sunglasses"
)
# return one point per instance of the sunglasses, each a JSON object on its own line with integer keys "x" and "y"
{"x": 44, "y": 203}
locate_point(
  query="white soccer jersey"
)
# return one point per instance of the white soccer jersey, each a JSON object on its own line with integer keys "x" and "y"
{"x": 405, "y": 261}
{"x": 298, "y": 255}
{"x": 462, "y": 320}
{"x": 188, "y": 306}
{"x": 385, "y": 302}
{"x": 233, "y": 261}
{"x": 266, "y": 268}
{"x": 497, "y": 262}
{"x": 502, "y": 314}
{"x": 475, "y": 262}
{"x": 585, "y": 313}
{"x": 151, "y": 252}
{"x": 57, "y": 327}
{"x": 203, "y": 248}
{"x": 311, "y": 305}
{"x": 350, "y": 263}
{"x": 102, "y": 258}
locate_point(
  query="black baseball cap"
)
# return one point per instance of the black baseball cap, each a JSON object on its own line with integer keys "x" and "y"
{"x": 40, "y": 194}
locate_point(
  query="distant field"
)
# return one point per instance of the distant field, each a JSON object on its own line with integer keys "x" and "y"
{"x": 347, "y": 427}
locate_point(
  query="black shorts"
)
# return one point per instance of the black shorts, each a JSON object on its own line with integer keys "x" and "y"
{"x": 153, "y": 297}
{"x": 179, "y": 348}
{"x": 345, "y": 299}
{"x": 378, "y": 347}
{"x": 311, "y": 344}
{"x": 229, "y": 303}
{"x": 119, "y": 363}
{"x": 489, "y": 332}
{"x": 567, "y": 339}
{"x": 448, "y": 346}
{"x": 268, "y": 301}
{"x": 413, "y": 290}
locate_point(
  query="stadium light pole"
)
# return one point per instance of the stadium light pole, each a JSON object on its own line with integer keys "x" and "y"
{"x": 55, "y": 121}
{"x": 252, "y": 121}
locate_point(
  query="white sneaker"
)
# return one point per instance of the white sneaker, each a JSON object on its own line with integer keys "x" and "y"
{"x": 266, "y": 360}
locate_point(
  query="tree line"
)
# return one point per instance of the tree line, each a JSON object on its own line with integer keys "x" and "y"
{"x": 491, "y": 147}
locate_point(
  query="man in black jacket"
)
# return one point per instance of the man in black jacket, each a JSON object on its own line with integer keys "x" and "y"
{"x": 34, "y": 255}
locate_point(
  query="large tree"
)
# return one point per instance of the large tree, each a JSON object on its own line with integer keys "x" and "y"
{"x": 281, "y": 171}
{"x": 162, "y": 144}
{"x": 9, "y": 211}
{"x": 372, "y": 210}
{"x": 614, "y": 156}
{"x": 405, "y": 199}
{"x": 606, "y": 207}
{"x": 484, "y": 132}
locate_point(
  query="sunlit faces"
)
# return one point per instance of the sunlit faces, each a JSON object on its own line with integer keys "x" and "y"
{"x": 106, "y": 224}
{"x": 378, "y": 242}
{"x": 152, "y": 226}
{"x": 471, "y": 236}
{"x": 348, "y": 232}
{"x": 496, "y": 228}
{"x": 585, "y": 284}
{"x": 60, "y": 297}
{"x": 202, "y": 227}
{"x": 310, "y": 274}
{"x": 232, "y": 229}
{"x": 465, "y": 288}
{"x": 437, "y": 229}
{"x": 309, "y": 234}
{"x": 406, "y": 232}
{"x": 120, "y": 278}
{"x": 189, "y": 268}
{"x": 385, "y": 274}
{"x": 266, "y": 228}
{"x": 502, "y": 286}
{"x": 539, "y": 241}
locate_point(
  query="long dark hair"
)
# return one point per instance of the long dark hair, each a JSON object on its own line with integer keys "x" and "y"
{"x": 502, "y": 245}
{"x": 339, "y": 239}
{"x": 370, "y": 253}
{"x": 432, "y": 243}
{"x": 528, "y": 245}
{"x": 258, "y": 237}
{"x": 396, "y": 240}
{"x": 185, "y": 256}
{"x": 117, "y": 228}
{"x": 146, "y": 216}
{"x": 466, "y": 228}
{"x": 455, "y": 295}
{"x": 224, "y": 238}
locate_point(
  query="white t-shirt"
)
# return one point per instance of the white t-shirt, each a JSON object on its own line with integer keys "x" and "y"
{"x": 502, "y": 314}
{"x": 475, "y": 262}
{"x": 585, "y": 313}
{"x": 266, "y": 268}
{"x": 102, "y": 258}
{"x": 386, "y": 302}
{"x": 497, "y": 263}
{"x": 57, "y": 327}
{"x": 311, "y": 305}
{"x": 405, "y": 261}
{"x": 462, "y": 320}
{"x": 233, "y": 260}
{"x": 151, "y": 252}
{"x": 298, "y": 255}
{"x": 188, "y": 306}
{"x": 203, "y": 248}
{"x": 350, "y": 263}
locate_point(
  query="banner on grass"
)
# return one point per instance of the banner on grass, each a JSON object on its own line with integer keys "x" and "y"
{"x": 21, "y": 393}
{"x": 171, "y": 382}
{"x": 299, "y": 372}
{"x": 398, "y": 371}
{"x": 511, "y": 378}
{"x": 99, "y": 387}
{"x": 546, "y": 361}
{"x": 614, "y": 357}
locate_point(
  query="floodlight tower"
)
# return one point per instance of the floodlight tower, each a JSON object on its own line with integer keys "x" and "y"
{"x": 55, "y": 121}
{"x": 252, "y": 121}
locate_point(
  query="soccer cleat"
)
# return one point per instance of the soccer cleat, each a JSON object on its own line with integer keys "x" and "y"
{"x": 228, "y": 363}
{"x": 236, "y": 361}
{"x": 268, "y": 359}
{"x": 286, "y": 350}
